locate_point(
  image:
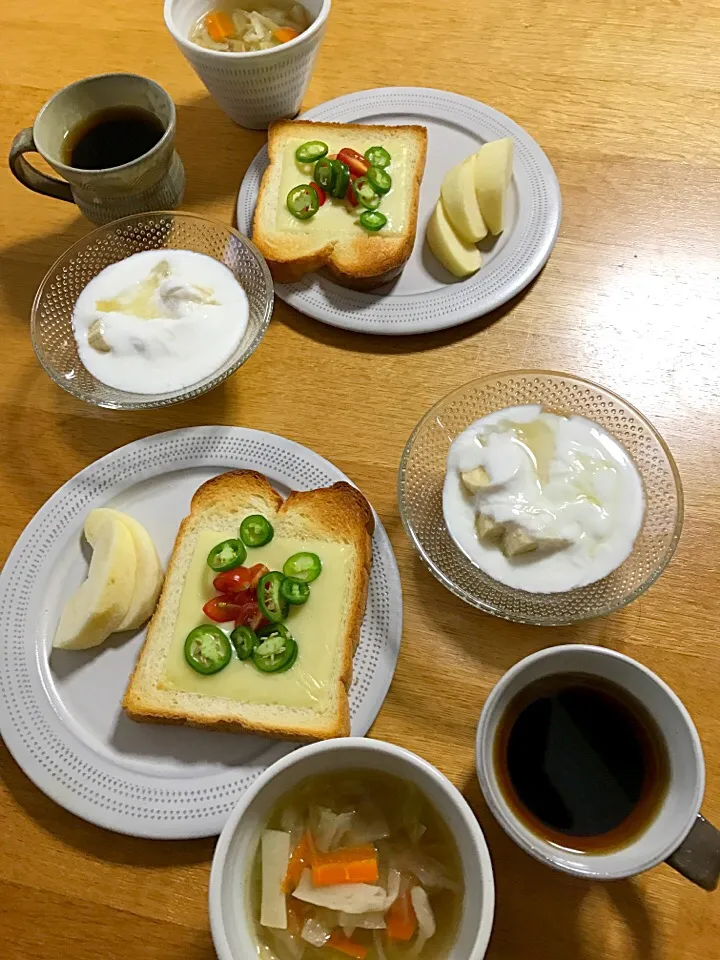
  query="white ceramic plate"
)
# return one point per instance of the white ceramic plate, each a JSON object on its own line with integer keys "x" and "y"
{"x": 60, "y": 712}
{"x": 426, "y": 297}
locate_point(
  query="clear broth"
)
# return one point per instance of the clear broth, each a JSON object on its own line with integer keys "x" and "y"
{"x": 401, "y": 804}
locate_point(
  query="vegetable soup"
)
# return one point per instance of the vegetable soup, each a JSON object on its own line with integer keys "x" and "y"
{"x": 356, "y": 864}
{"x": 243, "y": 27}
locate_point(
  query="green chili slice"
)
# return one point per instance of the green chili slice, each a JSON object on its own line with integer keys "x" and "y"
{"x": 271, "y": 602}
{"x": 296, "y": 592}
{"x": 365, "y": 193}
{"x": 226, "y": 555}
{"x": 244, "y": 640}
{"x": 274, "y": 628}
{"x": 256, "y": 531}
{"x": 311, "y": 151}
{"x": 303, "y": 566}
{"x": 380, "y": 179}
{"x": 207, "y": 649}
{"x": 341, "y": 178}
{"x": 302, "y": 202}
{"x": 373, "y": 220}
{"x": 275, "y": 654}
{"x": 378, "y": 157}
{"x": 324, "y": 174}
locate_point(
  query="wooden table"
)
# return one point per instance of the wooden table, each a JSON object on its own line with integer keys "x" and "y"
{"x": 622, "y": 97}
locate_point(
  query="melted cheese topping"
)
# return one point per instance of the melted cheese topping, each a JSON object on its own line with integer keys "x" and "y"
{"x": 315, "y": 626}
{"x": 337, "y": 216}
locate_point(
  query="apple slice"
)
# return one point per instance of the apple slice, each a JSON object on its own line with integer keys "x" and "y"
{"x": 148, "y": 572}
{"x": 100, "y": 604}
{"x": 459, "y": 197}
{"x": 493, "y": 170}
{"x": 457, "y": 256}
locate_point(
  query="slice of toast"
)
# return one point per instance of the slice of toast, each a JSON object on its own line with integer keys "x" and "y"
{"x": 330, "y": 515}
{"x": 333, "y": 237}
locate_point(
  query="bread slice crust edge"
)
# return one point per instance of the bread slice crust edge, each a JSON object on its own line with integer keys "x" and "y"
{"x": 339, "y": 513}
{"x": 362, "y": 262}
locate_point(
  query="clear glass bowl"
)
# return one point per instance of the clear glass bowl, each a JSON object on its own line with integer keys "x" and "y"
{"x": 51, "y": 322}
{"x": 422, "y": 473}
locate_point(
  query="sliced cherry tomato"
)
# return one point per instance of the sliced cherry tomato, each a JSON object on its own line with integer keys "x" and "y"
{"x": 250, "y": 615}
{"x": 240, "y": 579}
{"x": 321, "y": 195}
{"x": 356, "y": 161}
{"x": 350, "y": 195}
{"x": 222, "y": 609}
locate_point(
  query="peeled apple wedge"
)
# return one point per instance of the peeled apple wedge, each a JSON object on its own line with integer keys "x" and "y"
{"x": 148, "y": 572}
{"x": 457, "y": 256}
{"x": 101, "y": 603}
{"x": 493, "y": 170}
{"x": 459, "y": 197}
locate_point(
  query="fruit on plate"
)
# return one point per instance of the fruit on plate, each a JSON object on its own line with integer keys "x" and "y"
{"x": 472, "y": 201}
{"x": 122, "y": 584}
{"x": 459, "y": 198}
{"x": 493, "y": 170}
{"x": 100, "y": 604}
{"x": 454, "y": 253}
{"x": 148, "y": 572}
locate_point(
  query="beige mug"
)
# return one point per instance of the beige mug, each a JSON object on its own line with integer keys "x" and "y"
{"x": 153, "y": 181}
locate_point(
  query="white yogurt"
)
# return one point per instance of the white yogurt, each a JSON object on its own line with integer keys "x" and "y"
{"x": 561, "y": 480}
{"x": 167, "y": 319}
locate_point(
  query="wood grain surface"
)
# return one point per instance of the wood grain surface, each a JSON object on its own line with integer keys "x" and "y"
{"x": 622, "y": 95}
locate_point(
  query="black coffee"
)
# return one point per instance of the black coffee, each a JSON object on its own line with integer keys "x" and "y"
{"x": 581, "y": 762}
{"x": 112, "y": 137}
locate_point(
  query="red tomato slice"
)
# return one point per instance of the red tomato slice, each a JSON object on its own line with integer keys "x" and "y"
{"x": 250, "y": 616}
{"x": 356, "y": 161}
{"x": 321, "y": 195}
{"x": 222, "y": 609}
{"x": 240, "y": 579}
{"x": 350, "y": 195}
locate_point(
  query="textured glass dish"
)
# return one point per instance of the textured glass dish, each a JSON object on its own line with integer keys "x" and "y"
{"x": 422, "y": 473}
{"x": 51, "y": 322}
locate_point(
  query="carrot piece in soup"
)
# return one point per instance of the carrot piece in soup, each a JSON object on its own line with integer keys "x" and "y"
{"x": 296, "y": 916}
{"x": 299, "y": 859}
{"x": 219, "y": 25}
{"x": 354, "y": 865}
{"x": 401, "y": 919}
{"x": 283, "y": 34}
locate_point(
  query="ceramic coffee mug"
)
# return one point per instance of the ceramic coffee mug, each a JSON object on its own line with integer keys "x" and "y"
{"x": 677, "y": 834}
{"x": 154, "y": 181}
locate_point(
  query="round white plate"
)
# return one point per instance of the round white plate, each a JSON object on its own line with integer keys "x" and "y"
{"x": 426, "y": 297}
{"x": 60, "y": 712}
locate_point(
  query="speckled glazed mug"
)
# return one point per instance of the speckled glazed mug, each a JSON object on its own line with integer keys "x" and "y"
{"x": 155, "y": 181}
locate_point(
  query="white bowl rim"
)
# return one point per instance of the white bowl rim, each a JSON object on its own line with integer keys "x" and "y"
{"x": 184, "y": 43}
{"x": 351, "y": 745}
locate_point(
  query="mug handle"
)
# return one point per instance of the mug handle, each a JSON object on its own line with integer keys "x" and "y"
{"x": 698, "y": 856}
{"x": 24, "y": 142}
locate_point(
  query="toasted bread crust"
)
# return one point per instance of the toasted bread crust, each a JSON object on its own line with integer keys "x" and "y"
{"x": 364, "y": 261}
{"x": 340, "y": 513}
